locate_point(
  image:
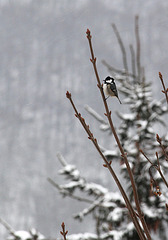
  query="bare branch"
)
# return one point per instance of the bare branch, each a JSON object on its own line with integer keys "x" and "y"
{"x": 108, "y": 114}
{"x": 63, "y": 232}
{"x": 94, "y": 141}
{"x": 159, "y": 140}
{"x": 122, "y": 48}
{"x": 61, "y": 159}
{"x": 133, "y": 61}
{"x": 138, "y": 48}
{"x": 89, "y": 209}
{"x": 156, "y": 166}
{"x": 165, "y": 91}
{"x": 113, "y": 69}
{"x": 160, "y": 171}
{"x": 8, "y": 227}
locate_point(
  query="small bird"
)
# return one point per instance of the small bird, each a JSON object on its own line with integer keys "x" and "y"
{"x": 109, "y": 88}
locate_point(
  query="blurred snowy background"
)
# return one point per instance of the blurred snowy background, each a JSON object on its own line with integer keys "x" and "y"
{"x": 43, "y": 53}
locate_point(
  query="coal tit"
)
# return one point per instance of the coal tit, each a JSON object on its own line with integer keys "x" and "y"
{"x": 109, "y": 88}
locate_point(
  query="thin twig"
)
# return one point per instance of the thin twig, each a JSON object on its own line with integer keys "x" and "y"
{"x": 138, "y": 48}
{"x": 160, "y": 171}
{"x": 122, "y": 49}
{"x": 133, "y": 61}
{"x": 159, "y": 140}
{"x": 63, "y": 232}
{"x": 113, "y": 69}
{"x": 89, "y": 209}
{"x": 146, "y": 156}
{"x": 61, "y": 159}
{"x": 157, "y": 167}
{"x": 165, "y": 91}
{"x": 123, "y": 154}
{"x": 8, "y": 227}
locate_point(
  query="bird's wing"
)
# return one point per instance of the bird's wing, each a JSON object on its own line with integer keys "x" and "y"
{"x": 114, "y": 89}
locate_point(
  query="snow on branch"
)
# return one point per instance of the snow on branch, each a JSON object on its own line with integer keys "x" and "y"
{"x": 77, "y": 182}
{"x": 104, "y": 125}
{"x": 114, "y": 234}
{"x": 111, "y": 203}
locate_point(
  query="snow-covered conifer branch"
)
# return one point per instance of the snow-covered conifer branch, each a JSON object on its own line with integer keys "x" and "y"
{"x": 32, "y": 234}
{"x": 89, "y": 209}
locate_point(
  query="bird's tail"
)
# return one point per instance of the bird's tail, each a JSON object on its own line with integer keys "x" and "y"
{"x": 119, "y": 100}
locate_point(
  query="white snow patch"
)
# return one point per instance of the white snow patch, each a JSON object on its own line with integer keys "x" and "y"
{"x": 24, "y": 235}
{"x": 116, "y": 215}
{"x": 84, "y": 236}
{"x": 98, "y": 189}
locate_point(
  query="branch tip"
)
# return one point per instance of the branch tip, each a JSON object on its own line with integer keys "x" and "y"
{"x": 88, "y": 34}
{"x": 166, "y": 206}
{"x": 164, "y": 88}
{"x": 63, "y": 232}
{"x": 160, "y": 75}
{"x": 158, "y": 138}
{"x": 68, "y": 95}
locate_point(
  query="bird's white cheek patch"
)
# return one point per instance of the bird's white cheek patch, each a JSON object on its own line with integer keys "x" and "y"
{"x": 108, "y": 81}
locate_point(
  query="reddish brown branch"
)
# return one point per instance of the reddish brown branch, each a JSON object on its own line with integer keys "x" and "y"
{"x": 108, "y": 165}
{"x": 160, "y": 171}
{"x": 159, "y": 140}
{"x": 108, "y": 114}
{"x": 165, "y": 91}
{"x": 63, "y": 232}
{"x": 156, "y": 166}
